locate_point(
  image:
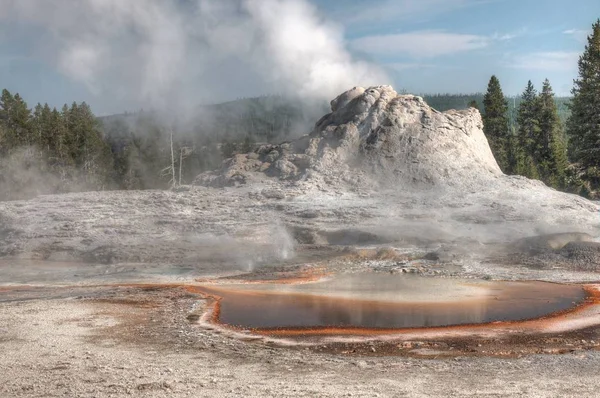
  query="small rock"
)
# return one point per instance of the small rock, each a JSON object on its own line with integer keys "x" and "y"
{"x": 361, "y": 364}
{"x": 264, "y": 167}
{"x": 272, "y": 156}
{"x": 273, "y": 194}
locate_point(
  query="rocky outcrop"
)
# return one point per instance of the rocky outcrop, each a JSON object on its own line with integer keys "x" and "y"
{"x": 395, "y": 150}
{"x": 374, "y": 136}
{"x": 399, "y": 139}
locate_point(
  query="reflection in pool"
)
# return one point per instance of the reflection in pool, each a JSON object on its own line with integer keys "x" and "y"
{"x": 388, "y": 302}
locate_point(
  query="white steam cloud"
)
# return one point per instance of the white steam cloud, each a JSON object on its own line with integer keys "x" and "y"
{"x": 172, "y": 53}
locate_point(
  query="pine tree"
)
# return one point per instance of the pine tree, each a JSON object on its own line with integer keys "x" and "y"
{"x": 37, "y": 126}
{"x": 6, "y": 108}
{"x": 514, "y": 153}
{"x": 583, "y": 127}
{"x": 552, "y": 147}
{"x": 526, "y": 150}
{"x": 150, "y": 153}
{"x": 76, "y": 135}
{"x": 68, "y": 140}
{"x": 15, "y": 118}
{"x": 61, "y": 155}
{"x": 473, "y": 104}
{"x": 118, "y": 136}
{"x": 20, "y": 121}
{"x": 90, "y": 152}
{"x": 495, "y": 123}
{"x": 47, "y": 139}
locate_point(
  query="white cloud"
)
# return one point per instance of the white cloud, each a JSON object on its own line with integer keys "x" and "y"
{"x": 546, "y": 61}
{"x": 504, "y": 37}
{"x": 580, "y": 35}
{"x": 420, "y": 44}
{"x": 402, "y": 10}
{"x": 508, "y": 36}
{"x": 402, "y": 66}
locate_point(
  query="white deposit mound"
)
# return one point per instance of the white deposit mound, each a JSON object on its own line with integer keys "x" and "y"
{"x": 399, "y": 139}
{"x": 399, "y": 151}
{"x": 375, "y": 137}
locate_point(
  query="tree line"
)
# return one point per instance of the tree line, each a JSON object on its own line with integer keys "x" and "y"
{"x": 45, "y": 150}
{"x": 49, "y": 150}
{"x": 444, "y": 102}
{"x": 565, "y": 155}
{"x": 536, "y": 147}
{"x": 152, "y": 153}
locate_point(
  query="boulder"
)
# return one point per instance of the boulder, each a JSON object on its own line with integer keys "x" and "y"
{"x": 283, "y": 169}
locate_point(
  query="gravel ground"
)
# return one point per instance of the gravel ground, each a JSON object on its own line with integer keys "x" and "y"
{"x": 131, "y": 342}
{"x": 70, "y": 327}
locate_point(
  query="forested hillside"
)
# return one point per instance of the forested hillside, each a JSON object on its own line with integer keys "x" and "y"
{"x": 46, "y": 150}
{"x": 141, "y": 142}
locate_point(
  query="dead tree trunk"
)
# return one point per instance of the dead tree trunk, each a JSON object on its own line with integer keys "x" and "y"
{"x": 184, "y": 152}
{"x": 173, "y": 180}
{"x": 180, "y": 164}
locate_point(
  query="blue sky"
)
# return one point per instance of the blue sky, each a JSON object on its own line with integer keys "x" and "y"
{"x": 425, "y": 46}
{"x": 456, "y": 45}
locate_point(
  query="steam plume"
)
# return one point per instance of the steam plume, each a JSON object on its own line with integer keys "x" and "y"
{"x": 158, "y": 53}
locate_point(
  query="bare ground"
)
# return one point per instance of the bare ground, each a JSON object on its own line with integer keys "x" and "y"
{"x": 138, "y": 342}
{"x": 75, "y": 321}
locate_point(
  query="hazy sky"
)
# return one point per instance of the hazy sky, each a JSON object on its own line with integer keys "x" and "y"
{"x": 127, "y": 54}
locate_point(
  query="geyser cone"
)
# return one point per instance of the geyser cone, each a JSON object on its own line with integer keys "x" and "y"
{"x": 400, "y": 150}
{"x": 400, "y": 139}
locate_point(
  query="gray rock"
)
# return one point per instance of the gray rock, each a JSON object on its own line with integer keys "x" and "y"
{"x": 585, "y": 254}
{"x": 400, "y": 138}
{"x": 272, "y": 156}
{"x": 345, "y": 98}
{"x": 300, "y": 161}
{"x": 264, "y": 167}
{"x": 283, "y": 169}
{"x": 550, "y": 242}
{"x": 273, "y": 194}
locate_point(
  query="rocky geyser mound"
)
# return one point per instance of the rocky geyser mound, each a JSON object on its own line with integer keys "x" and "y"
{"x": 397, "y": 150}
{"x": 374, "y": 136}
